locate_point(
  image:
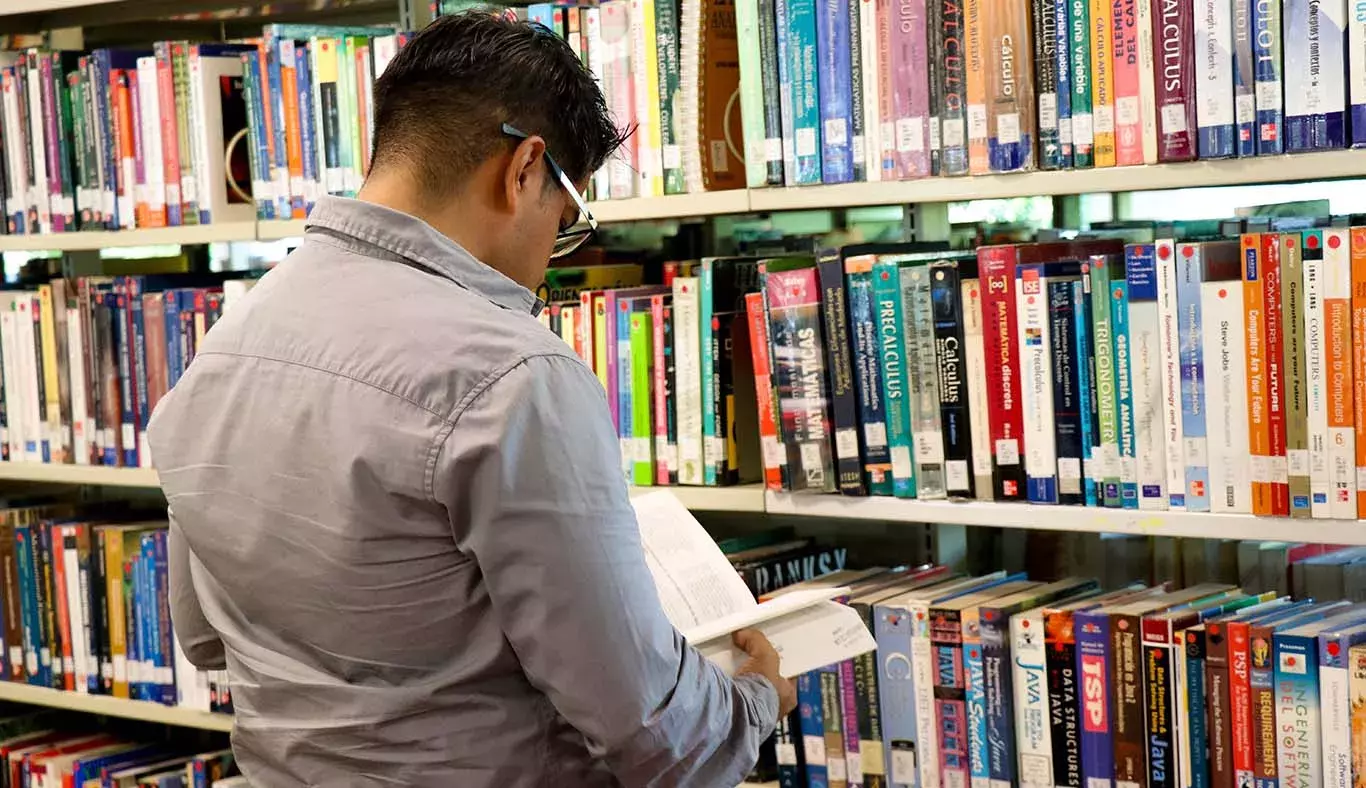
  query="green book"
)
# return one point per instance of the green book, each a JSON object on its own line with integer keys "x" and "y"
{"x": 642, "y": 353}
{"x": 1083, "y": 132}
{"x": 670, "y": 89}
{"x": 350, "y": 136}
{"x": 1102, "y": 326}
{"x": 85, "y": 217}
{"x": 189, "y": 190}
{"x": 751, "y": 93}
{"x": 895, "y": 391}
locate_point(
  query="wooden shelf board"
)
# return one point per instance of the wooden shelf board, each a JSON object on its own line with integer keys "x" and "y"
{"x": 86, "y": 241}
{"x": 79, "y": 474}
{"x": 114, "y": 707}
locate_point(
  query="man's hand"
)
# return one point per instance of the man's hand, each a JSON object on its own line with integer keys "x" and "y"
{"x": 763, "y": 661}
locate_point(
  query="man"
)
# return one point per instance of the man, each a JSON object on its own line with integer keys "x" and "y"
{"x": 397, "y": 513}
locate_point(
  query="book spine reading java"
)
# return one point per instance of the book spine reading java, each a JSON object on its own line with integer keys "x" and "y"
{"x": 1003, "y": 360}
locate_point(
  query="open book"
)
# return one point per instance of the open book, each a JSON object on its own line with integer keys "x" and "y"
{"x": 706, "y": 600}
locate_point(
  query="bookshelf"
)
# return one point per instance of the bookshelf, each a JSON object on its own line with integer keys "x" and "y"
{"x": 145, "y": 711}
{"x": 13, "y": 7}
{"x": 78, "y": 474}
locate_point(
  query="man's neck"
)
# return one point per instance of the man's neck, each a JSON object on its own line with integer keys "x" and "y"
{"x": 383, "y": 191}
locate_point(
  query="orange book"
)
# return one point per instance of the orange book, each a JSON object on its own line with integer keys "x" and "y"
{"x": 364, "y": 81}
{"x": 1258, "y": 424}
{"x": 975, "y": 57}
{"x": 272, "y": 172}
{"x": 1102, "y": 81}
{"x": 67, "y": 657}
{"x": 1359, "y": 360}
{"x": 763, "y": 388}
{"x": 294, "y": 145}
{"x": 1269, "y": 268}
{"x": 128, "y": 154}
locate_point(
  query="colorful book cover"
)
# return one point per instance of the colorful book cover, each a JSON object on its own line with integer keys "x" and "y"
{"x": 975, "y": 83}
{"x": 1092, "y": 632}
{"x": 835, "y": 91}
{"x": 797, "y": 46}
{"x": 1356, "y": 661}
{"x": 1128, "y": 106}
{"x": 975, "y": 698}
{"x": 1358, "y": 257}
{"x": 1033, "y": 722}
{"x": 795, "y": 327}
{"x": 811, "y": 708}
{"x": 836, "y": 762}
{"x": 951, "y": 357}
{"x": 1107, "y": 451}
{"x": 1146, "y": 371}
{"x": 1194, "y": 708}
{"x": 1244, "y": 79}
{"x": 774, "y": 456}
{"x": 863, "y": 85}
{"x": 1124, "y": 393}
{"x": 1011, "y": 116}
{"x": 1064, "y": 703}
{"x": 894, "y": 368}
{"x": 951, "y": 69}
{"x": 688, "y": 362}
{"x": 1189, "y": 275}
{"x": 996, "y": 267}
{"x": 1258, "y": 418}
{"x": 1083, "y": 125}
{"x": 1169, "y": 332}
{"x": 1335, "y": 702}
{"x": 641, "y": 331}
{"x": 1315, "y": 67}
{"x": 1316, "y": 373}
{"x": 1063, "y": 53}
{"x": 1036, "y": 390}
{"x": 1214, "y": 74}
{"x": 918, "y": 331}
{"x": 840, "y": 355}
{"x": 1298, "y": 704}
{"x": 1068, "y": 394}
{"x": 1162, "y": 649}
{"x": 1085, "y": 363}
{"x": 909, "y": 90}
{"x": 1102, "y": 80}
{"x": 1267, "y": 69}
{"x": 973, "y": 341}
{"x": 1045, "y": 25}
{"x": 1174, "y": 78}
{"x": 867, "y": 339}
{"x": 1337, "y": 322}
{"x": 1224, "y": 346}
{"x": 1296, "y": 385}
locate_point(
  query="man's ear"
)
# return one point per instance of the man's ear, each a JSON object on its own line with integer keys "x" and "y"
{"x": 525, "y": 171}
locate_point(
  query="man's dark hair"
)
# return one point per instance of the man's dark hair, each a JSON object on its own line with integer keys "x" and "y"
{"x": 441, "y": 103}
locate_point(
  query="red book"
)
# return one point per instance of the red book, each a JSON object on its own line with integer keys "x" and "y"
{"x": 170, "y": 136}
{"x": 1174, "y": 76}
{"x": 1275, "y": 370}
{"x": 59, "y": 569}
{"x": 659, "y": 325}
{"x": 763, "y": 389}
{"x": 1240, "y": 699}
{"x": 154, "y": 331}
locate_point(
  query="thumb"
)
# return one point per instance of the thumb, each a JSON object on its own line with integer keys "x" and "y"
{"x": 747, "y": 641}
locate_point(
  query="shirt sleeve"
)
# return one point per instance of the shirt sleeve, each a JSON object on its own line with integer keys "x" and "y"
{"x": 198, "y": 639}
{"x": 531, "y": 475}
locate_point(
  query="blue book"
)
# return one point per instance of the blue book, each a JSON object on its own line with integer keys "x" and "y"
{"x": 105, "y": 62}
{"x": 812, "y": 727}
{"x": 28, "y": 591}
{"x": 303, "y": 74}
{"x": 170, "y": 300}
{"x": 1062, "y": 49}
{"x": 800, "y": 85}
{"x": 1297, "y": 696}
{"x": 136, "y": 632}
{"x": 165, "y": 643}
{"x": 91, "y": 768}
{"x": 863, "y": 328}
{"x": 542, "y": 14}
{"x": 275, "y": 104}
{"x": 1315, "y": 70}
{"x": 621, "y": 317}
{"x": 1189, "y": 276}
{"x": 1093, "y": 668}
{"x": 1081, "y": 315}
{"x": 787, "y": 112}
{"x": 1266, "y": 57}
{"x": 253, "y": 94}
{"x": 1124, "y": 394}
{"x": 836, "y": 92}
{"x": 133, "y": 285}
{"x": 975, "y": 702}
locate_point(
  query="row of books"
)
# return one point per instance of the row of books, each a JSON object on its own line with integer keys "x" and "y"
{"x": 45, "y": 749}
{"x": 187, "y": 133}
{"x": 1001, "y": 680}
{"x": 85, "y": 361}
{"x": 87, "y": 611}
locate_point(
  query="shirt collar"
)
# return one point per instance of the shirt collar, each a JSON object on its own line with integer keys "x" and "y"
{"x": 413, "y": 239}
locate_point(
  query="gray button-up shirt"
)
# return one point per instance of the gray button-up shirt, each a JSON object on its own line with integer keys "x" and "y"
{"x": 398, "y": 519}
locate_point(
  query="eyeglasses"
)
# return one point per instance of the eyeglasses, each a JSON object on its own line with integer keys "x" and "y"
{"x": 584, "y": 225}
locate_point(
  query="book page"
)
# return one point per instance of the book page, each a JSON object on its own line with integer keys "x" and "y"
{"x": 696, "y": 584}
{"x": 806, "y": 639}
{"x": 764, "y": 611}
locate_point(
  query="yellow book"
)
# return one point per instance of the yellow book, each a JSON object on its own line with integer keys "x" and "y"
{"x": 111, "y": 542}
{"x": 975, "y": 56}
{"x": 1102, "y": 81}
{"x": 645, "y": 64}
{"x": 600, "y": 337}
{"x": 568, "y": 328}
{"x": 52, "y": 397}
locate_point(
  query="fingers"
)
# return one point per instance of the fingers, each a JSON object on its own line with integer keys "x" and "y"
{"x": 752, "y": 642}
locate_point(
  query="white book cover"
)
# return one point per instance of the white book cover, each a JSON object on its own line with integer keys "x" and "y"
{"x": 1214, "y": 63}
{"x": 16, "y": 412}
{"x": 384, "y": 48}
{"x": 1147, "y": 86}
{"x": 978, "y": 405}
{"x": 77, "y": 352}
{"x": 1146, "y": 373}
{"x": 16, "y": 162}
{"x": 1316, "y": 390}
{"x": 1169, "y": 331}
{"x": 38, "y": 196}
{"x": 1315, "y": 68}
{"x": 149, "y": 115}
{"x": 870, "y": 60}
{"x": 1033, "y": 725}
{"x": 77, "y": 665}
{"x": 1337, "y": 321}
{"x": 926, "y": 430}
{"x": 1335, "y": 708}
{"x": 28, "y": 378}
{"x": 1036, "y": 385}
{"x": 1225, "y": 348}
{"x": 215, "y": 204}
{"x": 688, "y": 372}
{"x": 592, "y": 25}
{"x": 922, "y": 672}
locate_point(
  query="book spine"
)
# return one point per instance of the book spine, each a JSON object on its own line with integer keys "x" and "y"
{"x": 952, "y": 70}
{"x": 950, "y": 698}
{"x": 1240, "y": 701}
{"x": 642, "y": 356}
{"x": 1046, "y": 65}
{"x": 1083, "y": 125}
{"x": 1127, "y": 702}
{"x": 668, "y": 81}
{"x": 1218, "y": 707}
{"x": 975, "y": 701}
{"x": 849, "y": 723}
{"x": 1297, "y": 710}
{"x": 309, "y": 129}
{"x": 1093, "y": 668}
{"x": 1316, "y": 72}
{"x": 170, "y": 133}
{"x": 1297, "y": 393}
{"x": 688, "y": 360}
{"x": 1107, "y": 404}
{"x": 835, "y": 313}
{"x": 1169, "y": 331}
{"x": 13, "y": 610}
{"x": 289, "y": 116}
{"x": 52, "y": 407}
{"x": 1147, "y": 83}
{"x": 794, "y": 324}
{"x": 1264, "y": 731}
{"x": 1198, "y": 729}
{"x": 1193, "y": 421}
{"x": 1357, "y": 697}
{"x": 1036, "y": 392}
{"x": 1064, "y": 701}
{"x": 863, "y": 323}
{"x": 787, "y": 93}
{"x": 835, "y": 90}
{"x": 750, "y": 36}
{"x": 926, "y": 426}
{"x": 1128, "y": 114}
{"x": 951, "y": 357}
{"x": 1244, "y": 82}
{"x": 996, "y": 266}
{"x": 1334, "y": 697}
{"x": 975, "y": 87}
{"x": 1214, "y": 74}
{"x": 646, "y": 88}
{"x": 872, "y": 763}
{"x": 909, "y": 90}
{"x": 836, "y": 765}
{"x": 1226, "y": 383}
{"x": 1158, "y": 703}
{"x": 1102, "y": 81}
{"x": 1358, "y": 266}
{"x": 1337, "y": 323}
{"x": 50, "y": 103}
{"x": 1124, "y": 394}
{"x": 999, "y": 705}
{"x": 894, "y": 367}
{"x": 64, "y": 647}
{"x": 621, "y": 319}
{"x": 1266, "y": 53}
{"x": 659, "y": 385}
{"x": 924, "y": 666}
{"x": 866, "y": 52}
{"x": 1258, "y": 421}
{"x": 1174, "y": 52}
{"x": 976, "y": 367}
{"x": 1316, "y": 373}
{"x": 935, "y": 40}
{"x": 1033, "y": 731}
{"x": 1062, "y": 46}
{"x": 1356, "y": 80}
{"x": 772, "y": 449}
{"x": 802, "y": 55}
{"x": 1146, "y": 371}
{"x": 1085, "y": 363}
{"x": 896, "y": 701}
